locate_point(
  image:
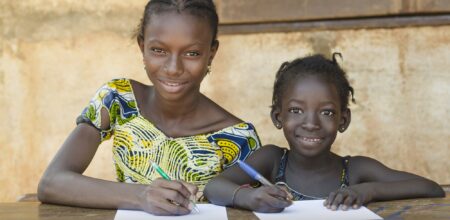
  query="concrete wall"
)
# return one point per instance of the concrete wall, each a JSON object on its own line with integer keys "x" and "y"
{"x": 55, "y": 54}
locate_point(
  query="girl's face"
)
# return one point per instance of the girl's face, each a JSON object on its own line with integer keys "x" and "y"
{"x": 311, "y": 115}
{"x": 177, "y": 50}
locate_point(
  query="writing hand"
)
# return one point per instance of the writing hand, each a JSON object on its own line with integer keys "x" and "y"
{"x": 164, "y": 197}
{"x": 267, "y": 199}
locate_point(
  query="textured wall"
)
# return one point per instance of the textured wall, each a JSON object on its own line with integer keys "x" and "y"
{"x": 55, "y": 54}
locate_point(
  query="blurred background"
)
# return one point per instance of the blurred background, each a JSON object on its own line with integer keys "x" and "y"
{"x": 54, "y": 55}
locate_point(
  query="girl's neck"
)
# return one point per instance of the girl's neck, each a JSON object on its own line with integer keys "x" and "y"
{"x": 319, "y": 163}
{"x": 174, "y": 109}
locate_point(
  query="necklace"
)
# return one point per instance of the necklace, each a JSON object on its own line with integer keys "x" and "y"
{"x": 300, "y": 195}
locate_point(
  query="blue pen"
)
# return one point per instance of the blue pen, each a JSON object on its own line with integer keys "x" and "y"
{"x": 253, "y": 173}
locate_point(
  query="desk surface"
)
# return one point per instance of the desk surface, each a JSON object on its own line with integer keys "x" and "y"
{"x": 400, "y": 209}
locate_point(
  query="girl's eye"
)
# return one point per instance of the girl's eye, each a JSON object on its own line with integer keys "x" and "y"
{"x": 192, "y": 54}
{"x": 158, "y": 50}
{"x": 296, "y": 110}
{"x": 327, "y": 113}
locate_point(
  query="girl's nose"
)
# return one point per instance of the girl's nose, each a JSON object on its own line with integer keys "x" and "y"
{"x": 311, "y": 122}
{"x": 173, "y": 66}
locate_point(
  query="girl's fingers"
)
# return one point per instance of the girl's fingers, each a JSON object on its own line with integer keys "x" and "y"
{"x": 348, "y": 202}
{"x": 338, "y": 199}
{"x": 193, "y": 189}
{"x": 176, "y": 198}
{"x": 358, "y": 203}
{"x": 330, "y": 199}
{"x": 173, "y": 185}
{"x": 172, "y": 208}
{"x": 272, "y": 198}
{"x": 289, "y": 195}
{"x": 158, "y": 205}
{"x": 276, "y": 191}
{"x": 276, "y": 203}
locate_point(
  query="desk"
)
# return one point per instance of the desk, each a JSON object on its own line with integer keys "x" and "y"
{"x": 401, "y": 209}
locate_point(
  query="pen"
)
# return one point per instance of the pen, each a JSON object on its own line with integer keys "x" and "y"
{"x": 253, "y": 173}
{"x": 256, "y": 176}
{"x": 166, "y": 177}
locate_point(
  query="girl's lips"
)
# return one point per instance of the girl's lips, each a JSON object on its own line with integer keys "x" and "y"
{"x": 172, "y": 87}
{"x": 172, "y": 83}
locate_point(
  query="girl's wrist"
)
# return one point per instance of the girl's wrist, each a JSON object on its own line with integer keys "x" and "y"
{"x": 139, "y": 196}
{"x": 239, "y": 195}
{"x": 370, "y": 191}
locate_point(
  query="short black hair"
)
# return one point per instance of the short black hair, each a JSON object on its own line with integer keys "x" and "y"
{"x": 201, "y": 8}
{"x": 316, "y": 65}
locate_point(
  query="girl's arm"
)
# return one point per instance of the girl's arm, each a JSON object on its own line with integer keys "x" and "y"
{"x": 226, "y": 189}
{"x": 63, "y": 182}
{"x": 376, "y": 182}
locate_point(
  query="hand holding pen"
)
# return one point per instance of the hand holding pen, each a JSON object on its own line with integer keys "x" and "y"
{"x": 166, "y": 177}
{"x": 267, "y": 198}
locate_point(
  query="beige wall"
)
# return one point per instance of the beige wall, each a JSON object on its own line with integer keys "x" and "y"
{"x": 55, "y": 54}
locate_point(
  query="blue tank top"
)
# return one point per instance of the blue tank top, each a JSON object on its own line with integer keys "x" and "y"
{"x": 280, "y": 179}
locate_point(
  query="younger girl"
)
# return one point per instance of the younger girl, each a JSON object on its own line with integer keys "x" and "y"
{"x": 310, "y": 104}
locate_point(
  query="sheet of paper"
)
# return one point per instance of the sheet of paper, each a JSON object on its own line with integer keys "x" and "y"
{"x": 314, "y": 209}
{"x": 207, "y": 212}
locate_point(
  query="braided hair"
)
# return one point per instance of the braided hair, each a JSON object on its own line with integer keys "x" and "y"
{"x": 316, "y": 65}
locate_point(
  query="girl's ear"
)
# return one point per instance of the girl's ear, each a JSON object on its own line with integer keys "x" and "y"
{"x": 140, "y": 42}
{"x": 346, "y": 117}
{"x": 214, "y": 48}
{"x": 275, "y": 115}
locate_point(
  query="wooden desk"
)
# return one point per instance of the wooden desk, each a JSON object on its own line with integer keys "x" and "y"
{"x": 400, "y": 209}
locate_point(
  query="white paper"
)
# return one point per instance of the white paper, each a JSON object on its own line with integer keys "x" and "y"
{"x": 207, "y": 212}
{"x": 314, "y": 209}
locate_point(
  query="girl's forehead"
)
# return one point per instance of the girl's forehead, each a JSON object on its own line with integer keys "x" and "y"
{"x": 311, "y": 88}
{"x": 181, "y": 24}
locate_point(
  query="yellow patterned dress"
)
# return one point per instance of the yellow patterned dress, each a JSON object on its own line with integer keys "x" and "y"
{"x": 137, "y": 142}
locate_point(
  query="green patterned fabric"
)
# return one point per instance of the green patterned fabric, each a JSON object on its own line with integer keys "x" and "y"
{"x": 137, "y": 142}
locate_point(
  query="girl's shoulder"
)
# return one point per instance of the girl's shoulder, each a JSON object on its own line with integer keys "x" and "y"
{"x": 363, "y": 162}
{"x": 273, "y": 150}
{"x": 118, "y": 88}
{"x": 269, "y": 153}
{"x": 362, "y": 168}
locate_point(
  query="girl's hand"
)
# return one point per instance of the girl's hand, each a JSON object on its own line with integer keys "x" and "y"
{"x": 267, "y": 199}
{"x": 164, "y": 197}
{"x": 353, "y": 196}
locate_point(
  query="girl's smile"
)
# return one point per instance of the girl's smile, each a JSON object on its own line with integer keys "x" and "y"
{"x": 171, "y": 86}
{"x": 312, "y": 140}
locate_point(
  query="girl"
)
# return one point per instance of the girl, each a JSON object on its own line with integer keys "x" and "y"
{"x": 170, "y": 123}
{"x": 310, "y": 104}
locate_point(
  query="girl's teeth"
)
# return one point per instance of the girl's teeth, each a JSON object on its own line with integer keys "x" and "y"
{"x": 312, "y": 139}
{"x": 172, "y": 84}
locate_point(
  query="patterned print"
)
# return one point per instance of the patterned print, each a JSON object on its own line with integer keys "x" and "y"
{"x": 137, "y": 142}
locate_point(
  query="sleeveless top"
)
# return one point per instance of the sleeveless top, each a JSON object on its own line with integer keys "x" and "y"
{"x": 137, "y": 142}
{"x": 280, "y": 178}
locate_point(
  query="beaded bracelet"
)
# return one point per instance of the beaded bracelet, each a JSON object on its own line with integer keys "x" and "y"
{"x": 236, "y": 190}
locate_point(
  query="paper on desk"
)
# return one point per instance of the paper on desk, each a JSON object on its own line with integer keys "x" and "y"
{"x": 207, "y": 212}
{"x": 314, "y": 209}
